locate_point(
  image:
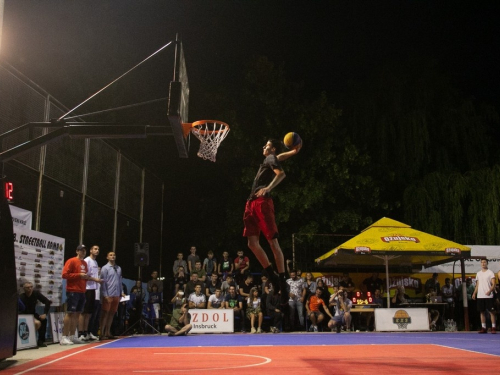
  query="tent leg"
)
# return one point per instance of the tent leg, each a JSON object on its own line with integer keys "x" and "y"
{"x": 386, "y": 260}
{"x": 464, "y": 296}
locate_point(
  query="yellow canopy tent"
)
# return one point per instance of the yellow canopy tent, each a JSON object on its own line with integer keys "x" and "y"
{"x": 387, "y": 240}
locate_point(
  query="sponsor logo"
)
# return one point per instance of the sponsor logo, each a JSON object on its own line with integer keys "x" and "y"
{"x": 362, "y": 250}
{"x": 401, "y": 318}
{"x": 452, "y": 251}
{"x": 398, "y": 238}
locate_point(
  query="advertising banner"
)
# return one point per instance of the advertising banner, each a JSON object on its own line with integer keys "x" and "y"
{"x": 20, "y": 217}
{"x": 212, "y": 320}
{"x": 400, "y": 319}
{"x": 26, "y": 333}
{"x": 40, "y": 260}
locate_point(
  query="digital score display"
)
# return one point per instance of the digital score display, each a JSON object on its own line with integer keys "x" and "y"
{"x": 360, "y": 299}
{"x": 8, "y": 191}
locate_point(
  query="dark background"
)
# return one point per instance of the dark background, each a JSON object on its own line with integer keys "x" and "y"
{"x": 73, "y": 48}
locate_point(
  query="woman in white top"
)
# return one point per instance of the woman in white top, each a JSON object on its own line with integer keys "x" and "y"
{"x": 253, "y": 310}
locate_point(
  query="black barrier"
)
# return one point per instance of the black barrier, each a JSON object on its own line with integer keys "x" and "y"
{"x": 8, "y": 291}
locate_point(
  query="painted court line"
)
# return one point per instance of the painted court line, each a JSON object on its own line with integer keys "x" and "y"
{"x": 266, "y": 361}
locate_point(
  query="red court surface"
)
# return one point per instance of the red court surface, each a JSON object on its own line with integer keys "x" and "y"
{"x": 325, "y": 359}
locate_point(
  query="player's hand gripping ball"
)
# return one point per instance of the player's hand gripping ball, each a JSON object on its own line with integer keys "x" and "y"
{"x": 292, "y": 141}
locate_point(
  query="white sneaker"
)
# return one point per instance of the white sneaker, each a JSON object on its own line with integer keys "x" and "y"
{"x": 90, "y": 336}
{"x": 253, "y": 330}
{"x": 76, "y": 340}
{"x": 315, "y": 328}
{"x": 65, "y": 341}
{"x": 83, "y": 338}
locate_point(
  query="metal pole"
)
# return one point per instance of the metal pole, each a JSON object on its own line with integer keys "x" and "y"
{"x": 41, "y": 167}
{"x": 161, "y": 228}
{"x": 464, "y": 296}
{"x": 84, "y": 188}
{"x": 117, "y": 194}
{"x": 141, "y": 217}
{"x": 387, "y": 281}
{"x": 2, "y": 3}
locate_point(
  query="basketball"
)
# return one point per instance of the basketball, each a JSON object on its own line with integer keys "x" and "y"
{"x": 292, "y": 140}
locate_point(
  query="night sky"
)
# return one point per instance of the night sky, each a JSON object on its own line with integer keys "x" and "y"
{"x": 73, "y": 48}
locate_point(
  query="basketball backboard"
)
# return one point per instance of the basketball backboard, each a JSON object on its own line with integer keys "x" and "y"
{"x": 178, "y": 102}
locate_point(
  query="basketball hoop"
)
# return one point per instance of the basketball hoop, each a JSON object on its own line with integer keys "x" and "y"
{"x": 211, "y": 133}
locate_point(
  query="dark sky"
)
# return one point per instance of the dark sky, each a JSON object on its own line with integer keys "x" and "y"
{"x": 74, "y": 48}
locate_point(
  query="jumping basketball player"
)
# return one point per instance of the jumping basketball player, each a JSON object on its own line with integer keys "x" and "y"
{"x": 259, "y": 213}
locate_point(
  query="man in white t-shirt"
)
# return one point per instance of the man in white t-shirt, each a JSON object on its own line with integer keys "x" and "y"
{"x": 485, "y": 284}
{"x": 84, "y": 331}
{"x": 216, "y": 300}
{"x": 197, "y": 300}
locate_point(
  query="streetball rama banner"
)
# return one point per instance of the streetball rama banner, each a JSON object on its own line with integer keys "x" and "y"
{"x": 40, "y": 260}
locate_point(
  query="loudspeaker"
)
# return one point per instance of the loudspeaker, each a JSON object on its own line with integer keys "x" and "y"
{"x": 141, "y": 254}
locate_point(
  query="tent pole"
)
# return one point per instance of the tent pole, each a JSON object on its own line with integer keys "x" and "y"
{"x": 464, "y": 296}
{"x": 387, "y": 281}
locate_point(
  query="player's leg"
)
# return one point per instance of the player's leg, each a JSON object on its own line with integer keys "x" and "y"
{"x": 258, "y": 251}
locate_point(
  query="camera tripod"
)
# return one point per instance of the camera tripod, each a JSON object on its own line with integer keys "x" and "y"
{"x": 141, "y": 323}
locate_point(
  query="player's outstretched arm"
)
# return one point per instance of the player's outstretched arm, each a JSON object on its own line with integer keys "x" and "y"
{"x": 285, "y": 155}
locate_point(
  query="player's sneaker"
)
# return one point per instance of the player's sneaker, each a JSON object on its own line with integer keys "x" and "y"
{"x": 92, "y": 337}
{"x": 311, "y": 328}
{"x": 483, "y": 330}
{"x": 259, "y": 330}
{"x": 253, "y": 330}
{"x": 83, "y": 338}
{"x": 65, "y": 341}
{"x": 315, "y": 328}
{"x": 76, "y": 340}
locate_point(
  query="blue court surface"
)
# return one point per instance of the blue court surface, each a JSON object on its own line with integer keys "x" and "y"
{"x": 472, "y": 341}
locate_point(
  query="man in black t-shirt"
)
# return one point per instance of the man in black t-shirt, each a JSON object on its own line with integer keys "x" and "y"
{"x": 259, "y": 212}
{"x": 30, "y": 298}
{"x": 373, "y": 283}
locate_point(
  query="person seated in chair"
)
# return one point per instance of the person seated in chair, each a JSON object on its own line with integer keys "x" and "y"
{"x": 30, "y": 298}
{"x": 342, "y": 312}
{"x": 400, "y": 297}
{"x": 313, "y": 309}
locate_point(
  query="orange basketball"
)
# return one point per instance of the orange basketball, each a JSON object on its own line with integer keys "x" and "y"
{"x": 292, "y": 140}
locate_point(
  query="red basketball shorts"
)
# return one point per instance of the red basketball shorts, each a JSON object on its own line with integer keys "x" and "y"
{"x": 259, "y": 216}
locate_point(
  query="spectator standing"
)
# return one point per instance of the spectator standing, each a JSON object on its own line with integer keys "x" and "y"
{"x": 210, "y": 264}
{"x": 309, "y": 286}
{"x": 111, "y": 291}
{"x": 241, "y": 266}
{"x": 212, "y": 285}
{"x": 296, "y": 299}
{"x": 448, "y": 293}
{"x": 179, "y": 262}
{"x": 154, "y": 281}
{"x": 433, "y": 282}
{"x": 76, "y": 274}
{"x": 485, "y": 284}
{"x": 226, "y": 266}
{"x": 202, "y": 275}
{"x": 93, "y": 326}
{"x": 192, "y": 259}
{"x": 84, "y": 331}
{"x": 154, "y": 303}
{"x": 347, "y": 284}
{"x": 373, "y": 283}
{"x": 180, "y": 279}
{"x": 29, "y": 299}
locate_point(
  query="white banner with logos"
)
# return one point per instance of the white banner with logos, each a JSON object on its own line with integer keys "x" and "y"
{"x": 212, "y": 320}
{"x": 401, "y": 319}
{"x": 26, "y": 333}
{"x": 57, "y": 323}
{"x": 21, "y": 217}
{"x": 472, "y": 266}
{"x": 40, "y": 260}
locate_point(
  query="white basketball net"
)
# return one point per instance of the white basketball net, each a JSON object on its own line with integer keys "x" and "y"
{"x": 210, "y": 133}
